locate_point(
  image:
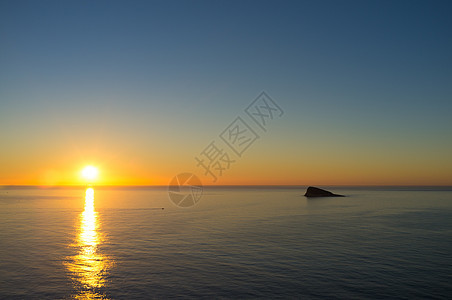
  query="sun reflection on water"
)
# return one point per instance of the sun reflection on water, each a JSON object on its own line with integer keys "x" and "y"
{"x": 89, "y": 267}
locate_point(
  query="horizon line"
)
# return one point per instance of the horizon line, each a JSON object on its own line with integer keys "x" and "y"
{"x": 213, "y": 185}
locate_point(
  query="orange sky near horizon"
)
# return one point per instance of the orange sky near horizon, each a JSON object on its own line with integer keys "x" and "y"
{"x": 281, "y": 157}
{"x": 267, "y": 167}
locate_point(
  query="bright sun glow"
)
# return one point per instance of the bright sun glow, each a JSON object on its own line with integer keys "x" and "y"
{"x": 90, "y": 173}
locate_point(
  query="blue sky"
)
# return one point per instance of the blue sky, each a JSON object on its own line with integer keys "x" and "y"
{"x": 359, "y": 81}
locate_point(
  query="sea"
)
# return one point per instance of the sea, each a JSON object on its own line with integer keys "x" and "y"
{"x": 234, "y": 243}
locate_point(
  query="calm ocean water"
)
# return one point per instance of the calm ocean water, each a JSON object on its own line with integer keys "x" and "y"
{"x": 377, "y": 243}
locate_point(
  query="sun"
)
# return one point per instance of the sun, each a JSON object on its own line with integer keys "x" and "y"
{"x": 90, "y": 173}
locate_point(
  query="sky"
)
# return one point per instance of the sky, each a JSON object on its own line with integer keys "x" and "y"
{"x": 142, "y": 89}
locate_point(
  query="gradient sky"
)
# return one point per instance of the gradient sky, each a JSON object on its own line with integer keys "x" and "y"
{"x": 139, "y": 88}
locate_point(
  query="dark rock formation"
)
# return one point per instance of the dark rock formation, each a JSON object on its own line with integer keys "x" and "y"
{"x": 316, "y": 192}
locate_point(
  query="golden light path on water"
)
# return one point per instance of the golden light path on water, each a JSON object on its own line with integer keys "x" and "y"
{"x": 89, "y": 268}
